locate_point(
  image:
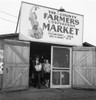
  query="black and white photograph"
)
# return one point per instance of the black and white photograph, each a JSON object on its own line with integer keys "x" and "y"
{"x": 47, "y": 50}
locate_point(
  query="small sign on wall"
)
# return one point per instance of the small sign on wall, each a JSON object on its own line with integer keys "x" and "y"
{"x": 1, "y": 61}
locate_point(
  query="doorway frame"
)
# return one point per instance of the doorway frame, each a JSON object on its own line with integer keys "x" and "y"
{"x": 61, "y": 69}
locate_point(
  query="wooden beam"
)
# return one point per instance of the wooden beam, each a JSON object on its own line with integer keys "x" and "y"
{"x": 82, "y": 77}
{"x": 18, "y": 54}
{"x": 11, "y": 84}
{"x": 81, "y": 60}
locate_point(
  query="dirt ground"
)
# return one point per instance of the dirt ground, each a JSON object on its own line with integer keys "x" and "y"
{"x": 49, "y": 94}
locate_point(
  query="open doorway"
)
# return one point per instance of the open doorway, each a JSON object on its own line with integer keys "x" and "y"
{"x": 44, "y": 52}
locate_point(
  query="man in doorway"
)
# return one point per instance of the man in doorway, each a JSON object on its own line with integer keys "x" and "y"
{"x": 47, "y": 69}
{"x": 37, "y": 76}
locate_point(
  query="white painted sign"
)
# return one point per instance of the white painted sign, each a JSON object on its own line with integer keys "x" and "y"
{"x": 48, "y": 25}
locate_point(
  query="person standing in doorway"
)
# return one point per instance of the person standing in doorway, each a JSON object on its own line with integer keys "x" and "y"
{"x": 38, "y": 68}
{"x": 47, "y": 69}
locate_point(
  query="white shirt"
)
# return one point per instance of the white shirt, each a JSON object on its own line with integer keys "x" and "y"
{"x": 38, "y": 67}
{"x": 47, "y": 67}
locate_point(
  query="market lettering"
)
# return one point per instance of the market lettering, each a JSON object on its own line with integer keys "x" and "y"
{"x": 61, "y": 29}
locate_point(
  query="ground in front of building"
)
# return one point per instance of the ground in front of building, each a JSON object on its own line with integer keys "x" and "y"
{"x": 49, "y": 94}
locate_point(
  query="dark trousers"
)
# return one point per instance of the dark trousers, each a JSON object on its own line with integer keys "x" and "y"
{"x": 37, "y": 79}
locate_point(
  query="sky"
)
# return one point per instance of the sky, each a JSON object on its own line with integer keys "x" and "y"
{"x": 9, "y": 10}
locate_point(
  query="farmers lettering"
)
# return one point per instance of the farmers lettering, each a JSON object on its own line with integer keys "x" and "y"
{"x": 61, "y": 23}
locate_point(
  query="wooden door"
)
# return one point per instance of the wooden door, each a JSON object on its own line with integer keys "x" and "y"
{"x": 60, "y": 67}
{"x": 16, "y": 65}
{"x": 84, "y": 67}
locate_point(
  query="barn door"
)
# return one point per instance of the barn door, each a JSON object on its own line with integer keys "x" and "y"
{"x": 16, "y": 65}
{"x": 84, "y": 68}
{"x": 60, "y": 67}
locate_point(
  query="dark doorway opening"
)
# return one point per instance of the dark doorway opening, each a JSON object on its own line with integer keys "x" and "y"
{"x": 43, "y": 50}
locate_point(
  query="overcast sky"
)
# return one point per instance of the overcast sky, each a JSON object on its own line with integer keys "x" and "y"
{"x": 9, "y": 10}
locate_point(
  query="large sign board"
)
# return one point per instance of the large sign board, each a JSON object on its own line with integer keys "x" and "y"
{"x": 48, "y": 25}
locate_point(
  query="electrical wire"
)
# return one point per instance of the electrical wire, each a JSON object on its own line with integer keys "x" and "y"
{"x": 8, "y": 20}
{"x": 8, "y": 14}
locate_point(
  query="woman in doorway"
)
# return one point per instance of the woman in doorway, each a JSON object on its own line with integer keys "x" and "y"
{"x": 47, "y": 69}
{"x": 37, "y": 75}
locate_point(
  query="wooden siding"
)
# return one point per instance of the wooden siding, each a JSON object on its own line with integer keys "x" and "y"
{"x": 1, "y": 80}
{"x": 84, "y": 67}
{"x": 1, "y": 76}
{"x": 16, "y": 65}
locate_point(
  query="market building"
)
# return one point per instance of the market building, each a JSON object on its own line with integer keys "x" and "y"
{"x": 55, "y": 35}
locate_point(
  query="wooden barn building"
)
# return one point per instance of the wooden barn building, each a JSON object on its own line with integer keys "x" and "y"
{"x": 79, "y": 62}
{"x": 55, "y": 35}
